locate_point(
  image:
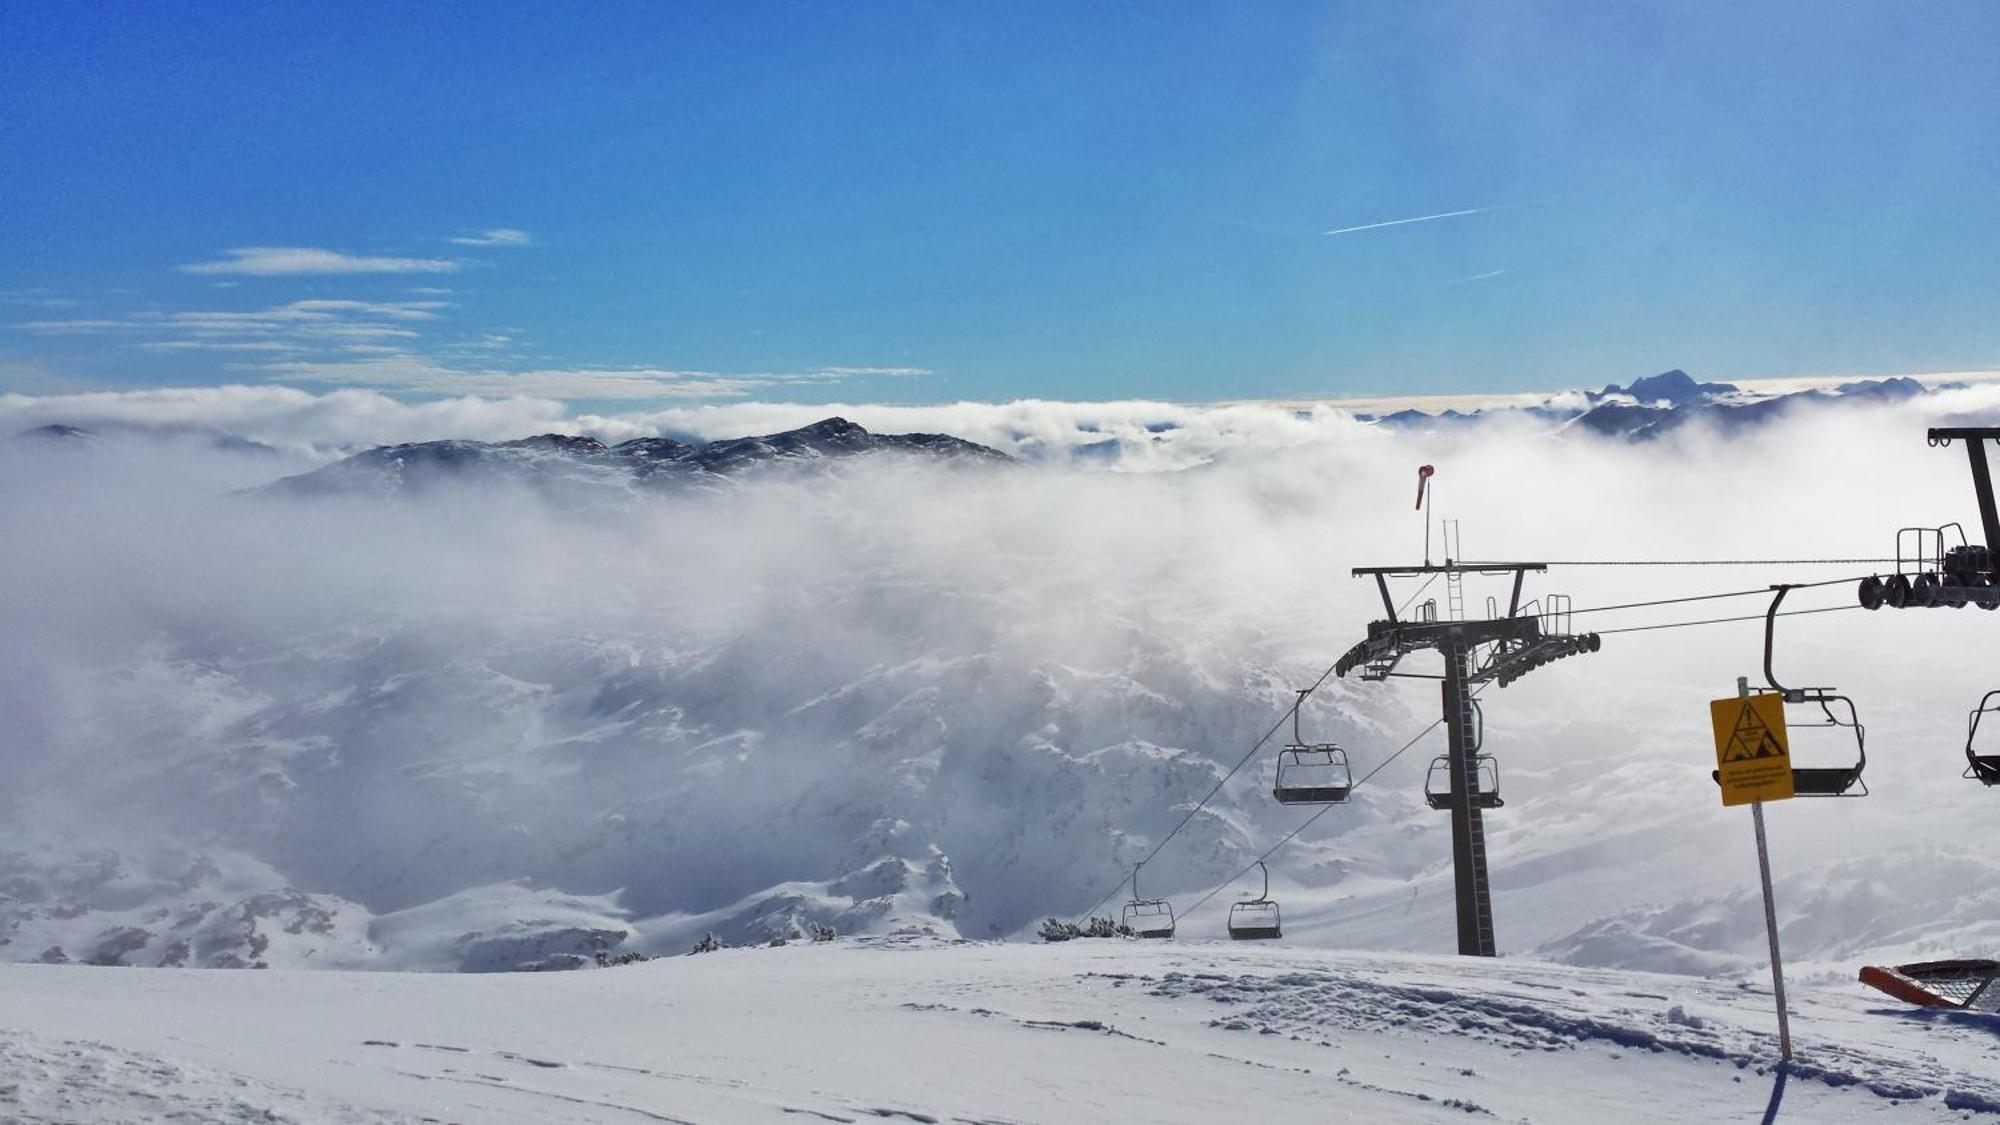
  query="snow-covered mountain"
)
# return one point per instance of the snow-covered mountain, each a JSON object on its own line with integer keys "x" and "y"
{"x": 1659, "y": 404}
{"x": 489, "y": 727}
{"x": 574, "y": 465}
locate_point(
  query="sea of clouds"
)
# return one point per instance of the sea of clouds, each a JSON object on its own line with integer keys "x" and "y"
{"x": 897, "y": 691}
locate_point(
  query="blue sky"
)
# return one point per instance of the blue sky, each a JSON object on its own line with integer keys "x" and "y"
{"x": 929, "y": 202}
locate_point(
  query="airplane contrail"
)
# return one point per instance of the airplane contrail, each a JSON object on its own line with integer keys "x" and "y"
{"x": 1418, "y": 219}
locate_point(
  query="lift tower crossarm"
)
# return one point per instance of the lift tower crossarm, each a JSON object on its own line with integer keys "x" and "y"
{"x": 1975, "y": 438}
{"x": 1382, "y": 574}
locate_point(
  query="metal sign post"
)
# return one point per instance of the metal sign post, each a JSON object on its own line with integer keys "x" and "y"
{"x": 1742, "y": 737}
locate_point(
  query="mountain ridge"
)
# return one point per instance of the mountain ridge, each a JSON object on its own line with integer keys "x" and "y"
{"x": 557, "y": 460}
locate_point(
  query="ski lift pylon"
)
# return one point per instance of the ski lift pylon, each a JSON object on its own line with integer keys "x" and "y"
{"x": 1148, "y": 917}
{"x": 1256, "y": 919}
{"x": 1311, "y": 773}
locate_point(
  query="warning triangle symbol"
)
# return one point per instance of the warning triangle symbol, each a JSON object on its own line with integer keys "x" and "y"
{"x": 1751, "y": 738}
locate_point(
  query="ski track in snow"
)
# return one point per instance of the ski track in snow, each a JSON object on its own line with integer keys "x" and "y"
{"x": 1553, "y": 1018}
{"x": 90, "y": 1080}
{"x": 973, "y": 1033}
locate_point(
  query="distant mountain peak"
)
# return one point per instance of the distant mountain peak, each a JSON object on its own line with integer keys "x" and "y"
{"x": 56, "y": 432}
{"x": 1676, "y": 387}
{"x": 561, "y": 443}
{"x": 833, "y": 426}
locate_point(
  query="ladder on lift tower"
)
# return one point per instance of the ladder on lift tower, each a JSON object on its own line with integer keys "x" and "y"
{"x": 1482, "y": 890}
{"x": 1454, "y": 583}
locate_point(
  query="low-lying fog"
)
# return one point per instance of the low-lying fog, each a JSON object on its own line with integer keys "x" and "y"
{"x": 890, "y": 692}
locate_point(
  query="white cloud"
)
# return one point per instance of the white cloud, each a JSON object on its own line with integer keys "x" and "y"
{"x": 289, "y": 416}
{"x": 874, "y": 372}
{"x": 289, "y": 327}
{"x": 498, "y": 236}
{"x": 422, "y": 374}
{"x": 72, "y": 327}
{"x": 215, "y": 346}
{"x": 281, "y": 261}
{"x": 414, "y": 374}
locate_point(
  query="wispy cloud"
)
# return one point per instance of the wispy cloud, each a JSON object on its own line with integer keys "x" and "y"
{"x": 411, "y": 374}
{"x": 37, "y": 299}
{"x": 873, "y": 372}
{"x": 1412, "y": 219}
{"x": 319, "y": 323}
{"x": 71, "y": 327}
{"x": 415, "y": 374}
{"x": 498, "y": 236}
{"x": 284, "y": 261}
{"x": 215, "y": 346}
{"x": 1469, "y": 279}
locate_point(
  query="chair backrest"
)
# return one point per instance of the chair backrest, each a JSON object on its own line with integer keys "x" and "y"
{"x": 1253, "y": 913}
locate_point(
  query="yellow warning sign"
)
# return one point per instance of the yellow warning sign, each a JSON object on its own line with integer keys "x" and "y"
{"x": 1752, "y": 757}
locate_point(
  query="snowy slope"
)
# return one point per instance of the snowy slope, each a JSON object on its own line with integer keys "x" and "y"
{"x": 1091, "y": 1030}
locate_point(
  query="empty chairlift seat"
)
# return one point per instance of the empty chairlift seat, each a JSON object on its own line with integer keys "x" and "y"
{"x": 1148, "y": 917}
{"x": 1311, "y": 773}
{"x": 1822, "y": 716}
{"x": 1819, "y": 722}
{"x": 1983, "y": 768}
{"x": 1835, "y": 715}
{"x": 1485, "y": 779}
{"x": 1256, "y": 919}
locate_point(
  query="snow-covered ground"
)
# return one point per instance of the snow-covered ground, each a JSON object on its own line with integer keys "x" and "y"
{"x": 873, "y": 1029}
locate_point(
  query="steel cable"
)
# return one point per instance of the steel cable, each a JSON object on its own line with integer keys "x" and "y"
{"x": 1711, "y": 597}
{"x": 1709, "y": 562}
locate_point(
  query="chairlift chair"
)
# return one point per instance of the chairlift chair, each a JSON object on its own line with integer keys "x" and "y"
{"x": 1311, "y": 773}
{"x": 1836, "y": 713}
{"x": 1148, "y": 917}
{"x": 1983, "y": 768}
{"x": 1485, "y": 776}
{"x": 1256, "y": 919}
